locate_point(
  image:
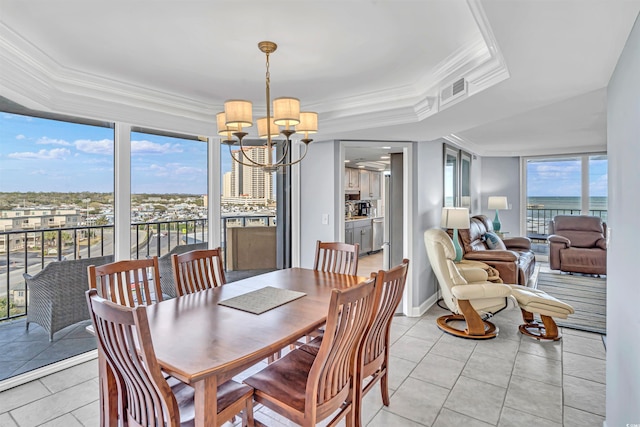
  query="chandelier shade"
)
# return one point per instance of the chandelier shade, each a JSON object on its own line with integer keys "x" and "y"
{"x": 286, "y": 113}
{"x": 238, "y": 113}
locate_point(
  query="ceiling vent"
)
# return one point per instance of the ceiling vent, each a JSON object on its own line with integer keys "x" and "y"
{"x": 456, "y": 90}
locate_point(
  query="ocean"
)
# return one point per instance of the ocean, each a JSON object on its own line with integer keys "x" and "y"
{"x": 595, "y": 203}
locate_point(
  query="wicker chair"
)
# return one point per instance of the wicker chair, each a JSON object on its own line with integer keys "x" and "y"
{"x": 167, "y": 283}
{"x": 56, "y": 294}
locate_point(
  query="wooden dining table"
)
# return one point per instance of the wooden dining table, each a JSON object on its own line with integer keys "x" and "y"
{"x": 204, "y": 344}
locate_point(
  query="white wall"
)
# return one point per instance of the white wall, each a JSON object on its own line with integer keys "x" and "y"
{"x": 319, "y": 184}
{"x": 428, "y": 194}
{"x": 500, "y": 176}
{"x": 623, "y": 289}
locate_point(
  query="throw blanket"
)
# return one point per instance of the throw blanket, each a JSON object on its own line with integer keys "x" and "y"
{"x": 494, "y": 275}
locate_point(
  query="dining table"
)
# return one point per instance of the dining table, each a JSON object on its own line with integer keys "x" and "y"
{"x": 204, "y": 343}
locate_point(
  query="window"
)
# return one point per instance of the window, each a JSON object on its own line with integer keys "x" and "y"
{"x": 457, "y": 178}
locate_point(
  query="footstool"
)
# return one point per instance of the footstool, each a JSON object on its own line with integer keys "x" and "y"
{"x": 533, "y": 301}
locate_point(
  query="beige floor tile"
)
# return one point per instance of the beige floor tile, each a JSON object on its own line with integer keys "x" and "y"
{"x": 583, "y": 394}
{"x": 513, "y": 418}
{"x": 72, "y": 376}
{"x": 67, "y": 420}
{"x": 584, "y": 334}
{"x": 418, "y": 401}
{"x": 588, "y": 368}
{"x": 538, "y": 368}
{"x": 448, "y": 418}
{"x": 425, "y": 329}
{"x": 371, "y": 404}
{"x": 88, "y": 415}
{"x": 7, "y": 421}
{"x": 584, "y": 346}
{"x": 454, "y": 347}
{"x": 22, "y": 395}
{"x": 577, "y": 418}
{"x": 548, "y": 349}
{"x": 476, "y": 399}
{"x": 411, "y": 348}
{"x": 499, "y": 347}
{"x": 535, "y": 398}
{"x": 56, "y": 405}
{"x": 399, "y": 370}
{"x": 489, "y": 369}
{"x": 438, "y": 370}
{"x": 387, "y": 419}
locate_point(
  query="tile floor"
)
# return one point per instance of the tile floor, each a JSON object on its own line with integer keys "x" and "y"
{"x": 435, "y": 380}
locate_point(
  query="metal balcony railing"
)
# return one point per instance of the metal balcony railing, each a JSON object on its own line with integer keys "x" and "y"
{"x": 28, "y": 251}
{"x": 538, "y": 220}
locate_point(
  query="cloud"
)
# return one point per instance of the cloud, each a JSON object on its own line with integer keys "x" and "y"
{"x": 50, "y": 141}
{"x": 54, "y": 154}
{"x": 148, "y": 147}
{"x": 21, "y": 136}
{"x": 104, "y": 146}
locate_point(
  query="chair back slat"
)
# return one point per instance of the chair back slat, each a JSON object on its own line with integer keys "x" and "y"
{"x": 333, "y": 370}
{"x": 336, "y": 257}
{"x": 389, "y": 290}
{"x": 198, "y": 270}
{"x": 125, "y": 341}
{"x": 127, "y": 282}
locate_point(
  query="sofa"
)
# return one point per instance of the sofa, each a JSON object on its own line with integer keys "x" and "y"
{"x": 512, "y": 257}
{"x": 578, "y": 244}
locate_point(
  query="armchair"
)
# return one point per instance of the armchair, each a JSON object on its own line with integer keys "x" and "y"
{"x": 578, "y": 244}
{"x": 513, "y": 257}
{"x": 467, "y": 293}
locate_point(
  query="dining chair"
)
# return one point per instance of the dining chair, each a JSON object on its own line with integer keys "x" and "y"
{"x": 198, "y": 270}
{"x": 129, "y": 282}
{"x": 336, "y": 257}
{"x": 145, "y": 397}
{"x": 308, "y": 389}
{"x": 374, "y": 349}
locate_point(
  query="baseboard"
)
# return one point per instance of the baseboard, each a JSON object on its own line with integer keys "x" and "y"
{"x": 47, "y": 370}
{"x": 419, "y": 311}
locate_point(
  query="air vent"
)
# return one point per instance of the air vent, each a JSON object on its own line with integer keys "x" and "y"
{"x": 453, "y": 91}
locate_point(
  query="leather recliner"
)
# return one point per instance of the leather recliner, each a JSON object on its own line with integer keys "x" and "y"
{"x": 515, "y": 263}
{"x": 578, "y": 244}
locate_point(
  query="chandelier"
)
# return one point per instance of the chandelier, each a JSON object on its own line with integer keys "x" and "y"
{"x": 286, "y": 114}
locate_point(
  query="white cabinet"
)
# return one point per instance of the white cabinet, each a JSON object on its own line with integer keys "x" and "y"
{"x": 369, "y": 185}
{"x": 359, "y": 231}
{"x": 351, "y": 179}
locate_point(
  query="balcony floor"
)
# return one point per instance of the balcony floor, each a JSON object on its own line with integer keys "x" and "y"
{"x": 22, "y": 351}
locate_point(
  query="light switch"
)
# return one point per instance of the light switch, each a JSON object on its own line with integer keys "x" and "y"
{"x": 325, "y": 219}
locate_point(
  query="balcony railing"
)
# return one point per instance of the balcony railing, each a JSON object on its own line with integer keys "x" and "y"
{"x": 538, "y": 220}
{"x": 28, "y": 251}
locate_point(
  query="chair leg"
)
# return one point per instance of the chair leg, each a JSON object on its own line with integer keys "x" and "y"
{"x": 384, "y": 387}
{"x": 247, "y": 414}
{"x": 476, "y": 327}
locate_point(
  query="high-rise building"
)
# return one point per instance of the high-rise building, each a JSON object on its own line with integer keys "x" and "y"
{"x": 251, "y": 182}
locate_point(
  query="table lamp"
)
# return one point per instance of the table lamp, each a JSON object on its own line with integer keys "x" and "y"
{"x": 497, "y": 202}
{"x": 455, "y": 218}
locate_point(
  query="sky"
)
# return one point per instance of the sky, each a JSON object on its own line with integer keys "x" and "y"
{"x": 562, "y": 177}
{"x": 54, "y": 156}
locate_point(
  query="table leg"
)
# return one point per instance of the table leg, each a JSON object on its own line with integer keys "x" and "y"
{"x": 206, "y": 402}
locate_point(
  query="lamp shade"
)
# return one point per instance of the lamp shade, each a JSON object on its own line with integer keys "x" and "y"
{"x": 262, "y": 128}
{"x": 286, "y": 111}
{"x": 498, "y": 202}
{"x": 238, "y": 113}
{"x": 455, "y": 218}
{"x": 308, "y": 122}
{"x": 223, "y": 128}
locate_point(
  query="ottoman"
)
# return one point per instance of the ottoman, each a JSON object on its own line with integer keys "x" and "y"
{"x": 533, "y": 301}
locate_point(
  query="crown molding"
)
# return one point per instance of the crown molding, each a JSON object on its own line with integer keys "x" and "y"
{"x": 37, "y": 81}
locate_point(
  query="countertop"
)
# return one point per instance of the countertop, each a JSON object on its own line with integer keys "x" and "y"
{"x": 357, "y": 218}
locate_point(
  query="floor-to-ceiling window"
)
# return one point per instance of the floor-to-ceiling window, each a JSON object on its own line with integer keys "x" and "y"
{"x": 56, "y": 204}
{"x": 168, "y": 192}
{"x": 564, "y": 185}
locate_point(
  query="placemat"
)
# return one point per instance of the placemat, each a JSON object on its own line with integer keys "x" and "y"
{"x": 261, "y": 300}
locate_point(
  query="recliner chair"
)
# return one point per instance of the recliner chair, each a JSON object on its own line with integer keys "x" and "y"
{"x": 467, "y": 293}
{"x": 578, "y": 244}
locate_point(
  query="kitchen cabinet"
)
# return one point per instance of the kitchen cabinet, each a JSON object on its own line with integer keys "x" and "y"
{"x": 370, "y": 185}
{"x": 351, "y": 179}
{"x": 359, "y": 231}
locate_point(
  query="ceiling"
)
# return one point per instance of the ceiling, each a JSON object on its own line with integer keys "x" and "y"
{"x": 535, "y": 71}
